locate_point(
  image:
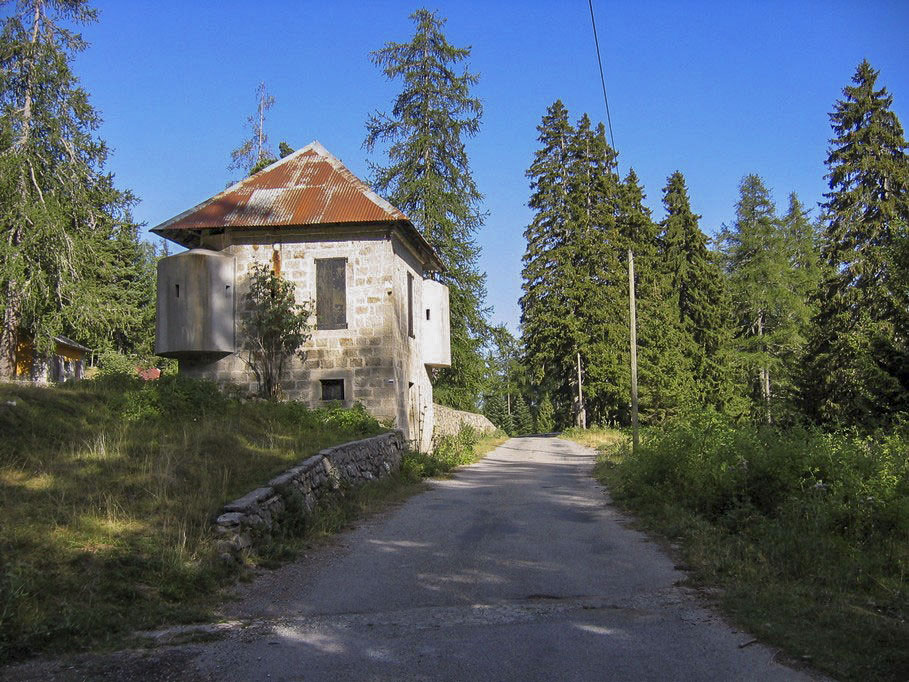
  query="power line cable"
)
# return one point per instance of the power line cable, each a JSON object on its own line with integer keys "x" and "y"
{"x": 602, "y": 77}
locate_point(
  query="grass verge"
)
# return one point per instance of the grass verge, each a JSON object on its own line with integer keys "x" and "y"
{"x": 805, "y": 533}
{"x": 107, "y": 492}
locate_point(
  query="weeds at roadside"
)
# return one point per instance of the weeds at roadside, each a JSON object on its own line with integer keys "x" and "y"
{"x": 805, "y": 532}
{"x": 450, "y": 452}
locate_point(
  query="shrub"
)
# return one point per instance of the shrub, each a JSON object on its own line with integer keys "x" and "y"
{"x": 448, "y": 453}
{"x": 274, "y": 328}
{"x": 818, "y": 520}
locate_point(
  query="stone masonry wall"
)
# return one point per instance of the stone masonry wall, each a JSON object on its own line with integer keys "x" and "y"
{"x": 362, "y": 355}
{"x": 378, "y": 357}
{"x": 257, "y": 514}
{"x": 448, "y": 421}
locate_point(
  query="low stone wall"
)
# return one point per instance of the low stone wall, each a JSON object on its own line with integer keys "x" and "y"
{"x": 300, "y": 488}
{"x": 449, "y": 421}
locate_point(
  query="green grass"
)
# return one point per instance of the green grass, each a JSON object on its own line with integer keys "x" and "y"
{"x": 107, "y": 493}
{"x": 449, "y": 452}
{"x": 805, "y": 533}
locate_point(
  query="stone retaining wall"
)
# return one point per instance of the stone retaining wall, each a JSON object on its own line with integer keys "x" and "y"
{"x": 449, "y": 421}
{"x": 256, "y": 514}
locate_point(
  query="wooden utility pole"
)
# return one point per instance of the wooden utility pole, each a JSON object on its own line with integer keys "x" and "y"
{"x": 634, "y": 353}
{"x": 582, "y": 413}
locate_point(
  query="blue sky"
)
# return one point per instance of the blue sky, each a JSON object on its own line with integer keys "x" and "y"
{"x": 714, "y": 89}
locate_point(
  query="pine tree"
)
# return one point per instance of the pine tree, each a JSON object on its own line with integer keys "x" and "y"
{"x": 522, "y": 419}
{"x": 858, "y": 353}
{"x": 697, "y": 280}
{"x": 547, "y": 327}
{"x": 664, "y": 371}
{"x": 768, "y": 296}
{"x": 806, "y": 272}
{"x": 595, "y": 281}
{"x": 494, "y": 409}
{"x": 429, "y": 179}
{"x": 124, "y": 277}
{"x": 545, "y": 416}
{"x": 61, "y": 218}
{"x": 573, "y": 277}
{"x": 802, "y": 243}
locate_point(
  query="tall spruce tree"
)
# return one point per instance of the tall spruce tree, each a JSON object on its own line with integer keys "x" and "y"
{"x": 548, "y": 331}
{"x": 768, "y": 293}
{"x": 665, "y": 376}
{"x": 857, "y": 369}
{"x": 62, "y": 222}
{"x": 521, "y": 417}
{"x": 594, "y": 277}
{"x": 697, "y": 280}
{"x": 544, "y": 419}
{"x": 573, "y": 301}
{"x": 428, "y": 177}
{"x": 494, "y": 410}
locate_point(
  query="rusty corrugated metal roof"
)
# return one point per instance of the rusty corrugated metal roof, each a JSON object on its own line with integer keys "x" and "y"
{"x": 308, "y": 187}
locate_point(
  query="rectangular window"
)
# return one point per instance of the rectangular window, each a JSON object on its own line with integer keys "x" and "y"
{"x": 332, "y": 389}
{"x": 331, "y": 293}
{"x": 410, "y": 304}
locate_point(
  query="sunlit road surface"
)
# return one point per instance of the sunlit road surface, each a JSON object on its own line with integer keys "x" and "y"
{"x": 517, "y": 568}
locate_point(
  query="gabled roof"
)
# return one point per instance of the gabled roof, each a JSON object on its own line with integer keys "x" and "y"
{"x": 306, "y": 188}
{"x": 64, "y": 341}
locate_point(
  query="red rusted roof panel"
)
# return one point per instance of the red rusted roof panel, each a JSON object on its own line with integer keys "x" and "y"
{"x": 309, "y": 187}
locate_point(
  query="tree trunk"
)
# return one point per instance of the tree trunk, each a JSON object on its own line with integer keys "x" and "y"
{"x": 581, "y": 416}
{"x": 29, "y": 83}
{"x": 764, "y": 373}
{"x": 9, "y": 334}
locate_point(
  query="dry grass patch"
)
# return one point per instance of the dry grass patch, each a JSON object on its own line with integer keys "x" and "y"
{"x": 107, "y": 492}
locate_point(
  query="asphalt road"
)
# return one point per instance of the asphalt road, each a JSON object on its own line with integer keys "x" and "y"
{"x": 517, "y": 568}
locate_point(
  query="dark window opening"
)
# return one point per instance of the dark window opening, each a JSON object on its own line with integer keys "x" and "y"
{"x": 410, "y": 305}
{"x": 178, "y": 291}
{"x": 331, "y": 293}
{"x": 332, "y": 389}
{"x": 427, "y": 313}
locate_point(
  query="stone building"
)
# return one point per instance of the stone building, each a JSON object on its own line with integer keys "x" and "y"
{"x": 380, "y": 324}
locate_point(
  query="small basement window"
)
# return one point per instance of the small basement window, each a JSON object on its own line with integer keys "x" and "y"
{"x": 332, "y": 389}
